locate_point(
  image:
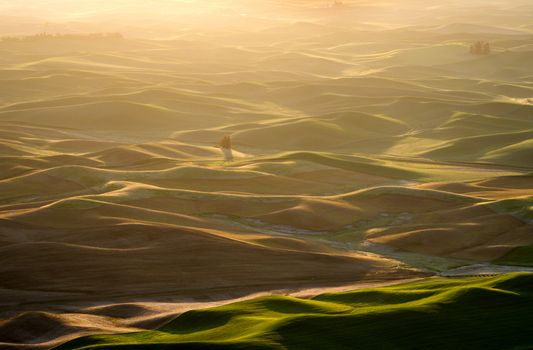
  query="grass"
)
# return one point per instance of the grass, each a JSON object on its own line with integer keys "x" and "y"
{"x": 521, "y": 256}
{"x": 477, "y": 147}
{"x": 518, "y": 154}
{"x": 349, "y": 163}
{"x": 408, "y": 192}
{"x": 399, "y": 169}
{"x": 437, "y": 313}
{"x": 521, "y": 207}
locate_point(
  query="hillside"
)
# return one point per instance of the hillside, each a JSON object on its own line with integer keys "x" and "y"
{"x": 439, "y": 313}
{"x": 372, "y": 144}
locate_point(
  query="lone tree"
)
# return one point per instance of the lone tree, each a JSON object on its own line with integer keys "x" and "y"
{"x": 225, "y": 146}
{"x": 480, "y": 48}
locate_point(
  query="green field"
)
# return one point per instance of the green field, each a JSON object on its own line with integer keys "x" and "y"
{"x": 521, "y": 256}
{"x": 436, "y": 313}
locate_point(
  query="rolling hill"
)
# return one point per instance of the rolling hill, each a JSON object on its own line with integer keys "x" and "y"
{"x": 439, "y": 313}
{"x": 370, "y": 147}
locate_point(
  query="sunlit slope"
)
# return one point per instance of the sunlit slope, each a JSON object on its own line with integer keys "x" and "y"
{"x": 84, "y": 182}
{"x": 438, "y": 313}
{"x": 431, "y": 222}
{"x": 466, "y": 232}
{"x": 378, "y": 111}
{"x": 196, "y": 92}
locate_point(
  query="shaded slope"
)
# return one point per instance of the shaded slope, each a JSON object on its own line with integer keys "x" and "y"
{"x": 155, "y": 261}
{"x": 438, "y": 313}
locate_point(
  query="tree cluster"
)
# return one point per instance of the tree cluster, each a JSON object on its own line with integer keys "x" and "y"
{"x": 337, "y": 4}
{"x": 47, "y": 36}
{"x": 480, "y": 48}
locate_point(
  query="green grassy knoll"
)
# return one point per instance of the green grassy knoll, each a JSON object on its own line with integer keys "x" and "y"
{"x": 521, "y": 256}
{"x": 436, "y": 313}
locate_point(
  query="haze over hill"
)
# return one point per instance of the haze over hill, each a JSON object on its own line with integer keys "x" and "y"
{"x": 371, "y": 145}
